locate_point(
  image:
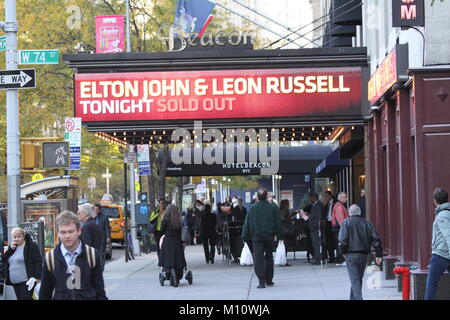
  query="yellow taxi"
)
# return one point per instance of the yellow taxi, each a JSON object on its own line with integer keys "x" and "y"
{"x": 116, "y": 216}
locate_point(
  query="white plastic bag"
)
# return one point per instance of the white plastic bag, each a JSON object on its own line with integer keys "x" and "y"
{"x": 161, "y": 241}
{"x": 280, "y": 254}
{"x": 36, "y": 291}
{"x": 246, "y": 256}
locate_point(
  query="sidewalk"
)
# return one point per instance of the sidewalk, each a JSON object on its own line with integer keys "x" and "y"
{"x": 138, "y": 280}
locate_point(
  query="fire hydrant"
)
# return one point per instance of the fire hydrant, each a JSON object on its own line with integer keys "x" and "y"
{"x": 405, "y": 272}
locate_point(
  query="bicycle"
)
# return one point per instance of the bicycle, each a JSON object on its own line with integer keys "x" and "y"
{"x": 129, "y": 249}
{"x": 144, "y": 239}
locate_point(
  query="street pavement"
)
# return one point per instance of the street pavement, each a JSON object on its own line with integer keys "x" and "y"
{"x": 138, "y": 280}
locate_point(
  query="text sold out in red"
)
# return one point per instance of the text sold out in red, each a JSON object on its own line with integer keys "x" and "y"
{"x": 192, "y": 105}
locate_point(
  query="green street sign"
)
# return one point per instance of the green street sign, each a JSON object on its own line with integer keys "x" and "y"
{"x": 38, "y": 56}
{"x": 2, "y": 43}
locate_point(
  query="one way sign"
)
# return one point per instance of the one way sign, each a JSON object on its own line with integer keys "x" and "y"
{"x": 17, "y": 79}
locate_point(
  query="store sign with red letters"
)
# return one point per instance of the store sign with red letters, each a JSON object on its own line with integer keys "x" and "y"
{"x": 221, "y": 94}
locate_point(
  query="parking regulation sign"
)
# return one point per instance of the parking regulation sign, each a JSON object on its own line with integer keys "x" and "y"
{"x": 73, "y": 136}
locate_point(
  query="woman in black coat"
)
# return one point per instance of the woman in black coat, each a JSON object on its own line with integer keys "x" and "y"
{"x": 208, "y": 233}
{"x": 171, "y": 256}
{"x": 22, "y": 261}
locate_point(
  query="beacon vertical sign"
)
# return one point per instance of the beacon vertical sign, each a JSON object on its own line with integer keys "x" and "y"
{"x": 408, "y": 13}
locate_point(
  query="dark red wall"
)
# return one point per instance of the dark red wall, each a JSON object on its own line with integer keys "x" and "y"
{"x": 432, "y": 150}
{"x": 409, "y": 156}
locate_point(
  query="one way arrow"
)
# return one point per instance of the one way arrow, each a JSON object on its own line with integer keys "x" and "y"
{"x": 14, "y": 79}
{"x": 21, "y": 79}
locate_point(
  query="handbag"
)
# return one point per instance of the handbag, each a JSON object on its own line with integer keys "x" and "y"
{"x": 185, "y": 235}
{"x": 280, "y": 255}
{"x": 152, "y": 226}
{"x": 246, "y": 256}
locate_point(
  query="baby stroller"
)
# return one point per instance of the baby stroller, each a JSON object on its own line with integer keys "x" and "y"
{"x": 174, "y": 275}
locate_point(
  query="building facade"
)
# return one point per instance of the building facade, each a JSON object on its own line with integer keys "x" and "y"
{"x": 408, "y": 129}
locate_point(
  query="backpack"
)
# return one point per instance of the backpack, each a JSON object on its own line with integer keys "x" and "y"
{"x": 50, "y": 258}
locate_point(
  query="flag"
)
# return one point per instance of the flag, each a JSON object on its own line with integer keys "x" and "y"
{"x": 194, "y": 15}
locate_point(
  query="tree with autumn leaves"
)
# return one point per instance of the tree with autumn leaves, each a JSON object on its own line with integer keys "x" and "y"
{"x": 69, "y": 26}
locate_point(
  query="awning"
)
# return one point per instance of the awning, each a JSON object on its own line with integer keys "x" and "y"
{"x": 332, "y": 164}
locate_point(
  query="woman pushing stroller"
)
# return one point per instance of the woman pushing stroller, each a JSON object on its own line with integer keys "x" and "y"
{"x": 171, "y": 257}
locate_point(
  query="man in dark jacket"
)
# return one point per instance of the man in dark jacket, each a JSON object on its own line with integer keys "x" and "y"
{"x": 263, "y": 221}
{"x": 208, "y": 233}
{"x": 327, "y": 230}
{"x": 314, "y": 226}
{"x": 71, "y": 271}
{"x": 90, "y": 231}
{"x": 235, "y": 222}
{"x": 362, "y": 203}
{"x": 356, "y": 237}
{"x": 103, "y": 222}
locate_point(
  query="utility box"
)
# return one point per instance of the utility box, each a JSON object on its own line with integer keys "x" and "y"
{"x": 30, "y": 156}
{"x": 142, "y": 213}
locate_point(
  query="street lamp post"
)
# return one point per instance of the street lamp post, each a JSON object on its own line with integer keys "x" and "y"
{"x": 12, "y": 119}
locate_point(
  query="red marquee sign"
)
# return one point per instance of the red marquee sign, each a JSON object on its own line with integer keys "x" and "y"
{"x": 224, "y": 94}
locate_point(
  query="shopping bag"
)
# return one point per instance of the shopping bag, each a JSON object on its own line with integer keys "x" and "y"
{"x": 280, "y": 255}
{"x": 246, "y": 256}
{"x": 185, "y": 235}
{"x": 161, "y": 241}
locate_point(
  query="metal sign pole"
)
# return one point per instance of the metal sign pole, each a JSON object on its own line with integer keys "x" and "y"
{"x": 127, "y": 3}
{"x": 136, "y": 247}
{"x": 12, "y": 120}
{"x": 125, "y": 168}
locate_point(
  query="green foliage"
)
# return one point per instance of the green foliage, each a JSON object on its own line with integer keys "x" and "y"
{"x": 433, "y": 1}
{"x": 69, "y": 26}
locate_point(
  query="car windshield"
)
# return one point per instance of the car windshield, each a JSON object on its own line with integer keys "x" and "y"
{"x": 110, "y": 212}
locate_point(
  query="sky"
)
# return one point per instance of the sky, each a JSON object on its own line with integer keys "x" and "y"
{"x": 292, "y": 13}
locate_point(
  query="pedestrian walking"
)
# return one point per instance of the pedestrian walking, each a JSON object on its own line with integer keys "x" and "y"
{"x": 208, "y": 233}
{"x": 102, "y": 221}
{"x": 23, "y": 264}
{"x": 288, "y": 226}
{"x": 189, "y": 219}
{"x": 156, "y": 219}
{"x": 71, "y": 271}
{"x": 90, "y": 231}
{"x": 330, "y": 242}
{"x": 172, "y": 253}
{"x": 236, "y": 220}
{"x": 339, "y": 214}
{"x": 314, "y": 226}
{"x": 262, "y": 223}
{"x": 356, "y": 237}
{"x": 198, "y": 209}
{"x": 440, "y": 259}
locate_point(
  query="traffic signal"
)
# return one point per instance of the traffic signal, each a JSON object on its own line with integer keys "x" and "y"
{"x": 30, "y": 156}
